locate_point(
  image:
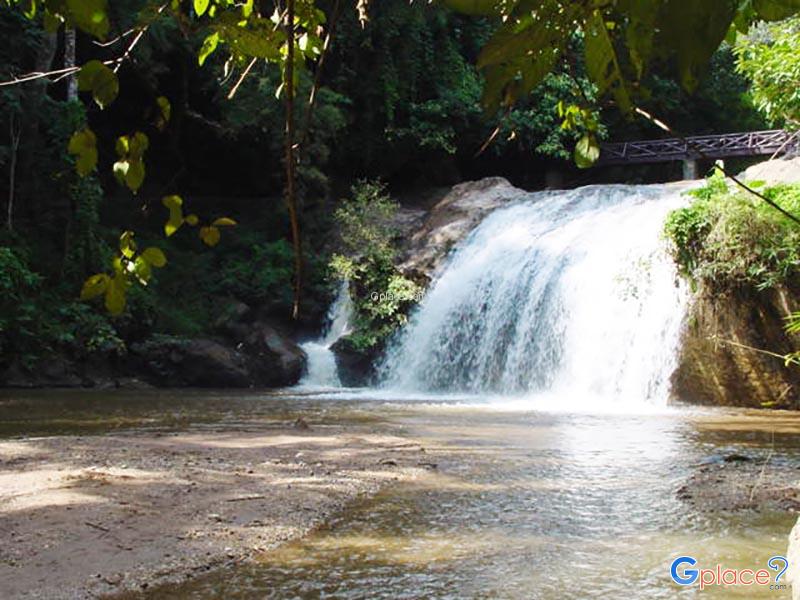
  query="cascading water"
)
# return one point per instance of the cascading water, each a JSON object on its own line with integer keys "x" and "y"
{"x": 321, "y": 365}
{"x": 570, "y": 295}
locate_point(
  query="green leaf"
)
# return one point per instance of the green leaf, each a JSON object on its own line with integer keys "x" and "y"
{"x": 192, "y": 220}
{"x": 224, "y": 222}
{"x": 200, "y": 7}
{"x": 122, "y": 145}
{"x": 174, "y": 204}
{"x": 164, "y": 112}
{"x": 127, "y": 245}
{"x": 587, "y": 151}
{"x": 210, "y": 235}
{"x": 209, "y": 45}
{"x": 135, "y": 175}
{"x": 83, "y": 145}
{"x": 601, "y": 62}
{"x": 154, "y": 256}
{"x": 95, "y": 286}
{"x": 121, "y": 170}
{"x": 101, "y": 81}
{"x": 482, "y": 8}
{"x": 115, "y": 295}
{"x": 694, "y": 31}
{"x": 775, "y": 10}
{"x": 139, "y": 143}
{"x": 142, "y": 270}
{"x": 90, "y": 16}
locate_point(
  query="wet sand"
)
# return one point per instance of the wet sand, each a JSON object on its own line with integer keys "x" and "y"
{"x": 90, "y": 516}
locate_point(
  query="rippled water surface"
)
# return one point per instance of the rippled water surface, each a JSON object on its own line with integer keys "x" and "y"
{"x": 522, "y": 504}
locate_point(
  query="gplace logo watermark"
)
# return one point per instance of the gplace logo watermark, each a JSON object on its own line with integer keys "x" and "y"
{"x": 684, "y": 573}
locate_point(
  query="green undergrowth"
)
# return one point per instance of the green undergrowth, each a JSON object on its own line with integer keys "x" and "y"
{"x": 728, "y": 237}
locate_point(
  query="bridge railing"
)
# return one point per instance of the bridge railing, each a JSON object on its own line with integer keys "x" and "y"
{"x": 753, "y": 143}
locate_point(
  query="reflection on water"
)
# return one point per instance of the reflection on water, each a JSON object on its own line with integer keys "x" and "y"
{"x": 522, "y": 505}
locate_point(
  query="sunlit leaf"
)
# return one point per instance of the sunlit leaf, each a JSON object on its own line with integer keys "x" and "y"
{"x": 587, "y": 151}
{"x": 192, "y": 220}
{"x": 101, "y": 81}
{"x": 174, "y": 204}
{"x": 142, "y": 270}
{"x": 83, "y": 145}
{"x": 95, "y": 286}
{"x": 209, "y": 45}
{"x": 200, "y": 7}
{"x": 90, "y": 16}
{"x": 154, "y": 256}
{"x": 224, "y": 222}
{"x": 135, "y": 175}
{"x": 127, "y": 245}
{"x": 115, "y": 295}
{"x": 210, "y": 235}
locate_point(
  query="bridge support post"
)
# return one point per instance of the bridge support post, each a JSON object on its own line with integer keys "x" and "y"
{"x": 689, "y": 168}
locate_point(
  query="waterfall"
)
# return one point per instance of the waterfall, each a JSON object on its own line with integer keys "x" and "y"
{"x": 570, "y": 296}
{"x": 321, "y": 366}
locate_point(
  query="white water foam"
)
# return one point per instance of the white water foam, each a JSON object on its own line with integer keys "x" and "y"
{"x": 567, "y": 300}
{"x": 321, "y": 371}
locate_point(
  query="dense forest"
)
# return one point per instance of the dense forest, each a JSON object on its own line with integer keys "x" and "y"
{"x": 397, "y": 114}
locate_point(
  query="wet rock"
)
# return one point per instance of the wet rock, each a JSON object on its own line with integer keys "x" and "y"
{"x": 712, "y": 370}
{"x": 450, "y": 220}
{"x": 273, "y": 358}
{"x": 197, "y": 363}
{"x": 356, "y": 367}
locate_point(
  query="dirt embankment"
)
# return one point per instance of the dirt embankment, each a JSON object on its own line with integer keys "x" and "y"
{"x": 81, "y": 517}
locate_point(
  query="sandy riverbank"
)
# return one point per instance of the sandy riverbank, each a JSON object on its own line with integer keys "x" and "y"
{"x": 82, "y": 517}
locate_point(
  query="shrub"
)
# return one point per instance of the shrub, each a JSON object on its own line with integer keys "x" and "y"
{"x": 728, "y": 237}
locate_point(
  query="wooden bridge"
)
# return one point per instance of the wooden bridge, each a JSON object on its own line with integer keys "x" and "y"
{"x": 754, "y": 143}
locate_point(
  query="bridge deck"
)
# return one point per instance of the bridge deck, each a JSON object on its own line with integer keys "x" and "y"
{"x": 754, "y": 143}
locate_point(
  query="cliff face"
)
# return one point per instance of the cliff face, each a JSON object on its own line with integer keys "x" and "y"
{"x": 717, "y": 364}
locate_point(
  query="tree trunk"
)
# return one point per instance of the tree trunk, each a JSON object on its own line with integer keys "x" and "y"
{"x": 291, "y": 192}
{"x": 15, "y": 133}
{"x": 69, "y": 61}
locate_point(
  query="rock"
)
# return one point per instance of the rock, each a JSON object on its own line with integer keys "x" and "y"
{"x": 264, "y": 358}
{"x": 356, "y": 368}
{"x": 195, "y": 363}
{"x": 301, "y": 424}
{"x": 274, "y": 360}
{"x": 715, "y": 365}
{"x": 774, "y": 171}
{"x": 792, "y": 575}
{"x": 450, "y": 220}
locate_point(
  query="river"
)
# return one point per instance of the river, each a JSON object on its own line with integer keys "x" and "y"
{"x": 521, "y": 504}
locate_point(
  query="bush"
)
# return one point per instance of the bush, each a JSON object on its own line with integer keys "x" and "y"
{"x": 729, "y": 237}
{"x": 382, "y": 296}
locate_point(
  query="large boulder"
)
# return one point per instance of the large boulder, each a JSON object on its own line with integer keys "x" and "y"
{"x": 719, "y": 361}
{"x": 450, "y": 221}
{"x": 273, "y": 359}
{"x": 356, "y": 367}
{"x": 265, "y": 358}
{"x": 175, "y": 362}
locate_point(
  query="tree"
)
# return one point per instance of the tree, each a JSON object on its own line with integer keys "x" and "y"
{"x": 622, "y": 40}
{"x": 769, "y": 56}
